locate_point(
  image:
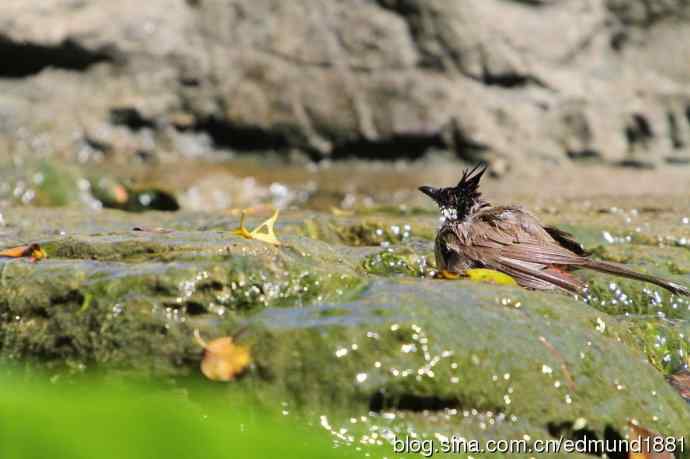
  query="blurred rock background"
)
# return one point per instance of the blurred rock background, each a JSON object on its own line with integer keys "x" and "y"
{"x": 514, "y": 82}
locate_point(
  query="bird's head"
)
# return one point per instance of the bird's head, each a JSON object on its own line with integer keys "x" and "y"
{"x": 457, "y": 202}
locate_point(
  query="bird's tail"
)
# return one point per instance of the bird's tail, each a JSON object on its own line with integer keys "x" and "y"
{"x": 619, "y": 270}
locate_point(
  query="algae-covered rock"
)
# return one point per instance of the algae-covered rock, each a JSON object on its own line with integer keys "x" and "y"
{"x": 131, "y": 298}
{"x": 349, "y": 328}
{"x": 399, "y": 261}
{"x": 492, "y": 362}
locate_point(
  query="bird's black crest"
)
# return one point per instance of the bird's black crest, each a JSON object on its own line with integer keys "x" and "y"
{"x": 469, "y": 183}
{"x": 457, "y": 202}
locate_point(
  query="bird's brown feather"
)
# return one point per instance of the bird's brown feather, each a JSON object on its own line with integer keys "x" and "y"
{"x": 511, "y": 240}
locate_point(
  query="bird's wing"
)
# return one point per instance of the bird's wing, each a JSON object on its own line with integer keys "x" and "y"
{"x": 449, "y": 252}
{"x": 533, "y": 275}
{"x": 516, "y": 234}
{"x": 515, "y": 243}
{"x": 567, "y": 240}
{"x": 546, "y": 254}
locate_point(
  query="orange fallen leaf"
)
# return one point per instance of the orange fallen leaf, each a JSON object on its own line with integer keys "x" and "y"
{"x": 33, "y": 251}
{"x": 645, "y": 448}
{"x": 223, "y": 359}
{"x": 120, "y": 194}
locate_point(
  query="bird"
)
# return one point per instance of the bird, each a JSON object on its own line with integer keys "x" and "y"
{"x": 510, "y": 239}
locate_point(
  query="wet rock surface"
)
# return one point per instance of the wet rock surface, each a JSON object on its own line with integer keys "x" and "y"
{"x": 347, "y": 325}
{"x": 594, "y": 81}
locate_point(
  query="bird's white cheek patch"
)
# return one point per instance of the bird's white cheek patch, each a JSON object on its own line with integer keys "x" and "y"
{"x": 448, "y": 213}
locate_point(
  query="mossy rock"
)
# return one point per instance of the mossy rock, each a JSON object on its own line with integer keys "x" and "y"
{"x": 344, "y": 330}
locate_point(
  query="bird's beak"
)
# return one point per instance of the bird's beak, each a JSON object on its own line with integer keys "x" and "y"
{"x": 429, "y": 191}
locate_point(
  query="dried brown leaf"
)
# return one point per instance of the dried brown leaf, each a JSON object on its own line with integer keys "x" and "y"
{"x": 681, "y": 382}
{"x": 639, "y": 436}
{"x": 223, "y": 360}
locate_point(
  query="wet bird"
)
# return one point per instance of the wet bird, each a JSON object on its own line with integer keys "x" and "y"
{"x": 509, "y": 239}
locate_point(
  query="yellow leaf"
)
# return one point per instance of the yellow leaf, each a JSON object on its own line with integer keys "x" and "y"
{"x": 269, "y": 236}
{"x": 489, "y": 275}
{"x": 223, "y": 359}
{"x": 449, "y": 275}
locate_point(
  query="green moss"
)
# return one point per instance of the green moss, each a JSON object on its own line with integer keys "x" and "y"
{"x": 548, "y": 313}
{"x": 383, "y": 230}
{"x": 399, "y": 260}
{"x": 616, "y": 254}
{"x": 628, "y": 297}
{"x": 84, "y": 306}
{"x": 424, "y": 357}
{"x": 370, "y": 233}
{"x": 674, "y": 268}
{"x": 312, "y": 229}
{"x": 665, "y": 344}
{"x": 125, "y": 250}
